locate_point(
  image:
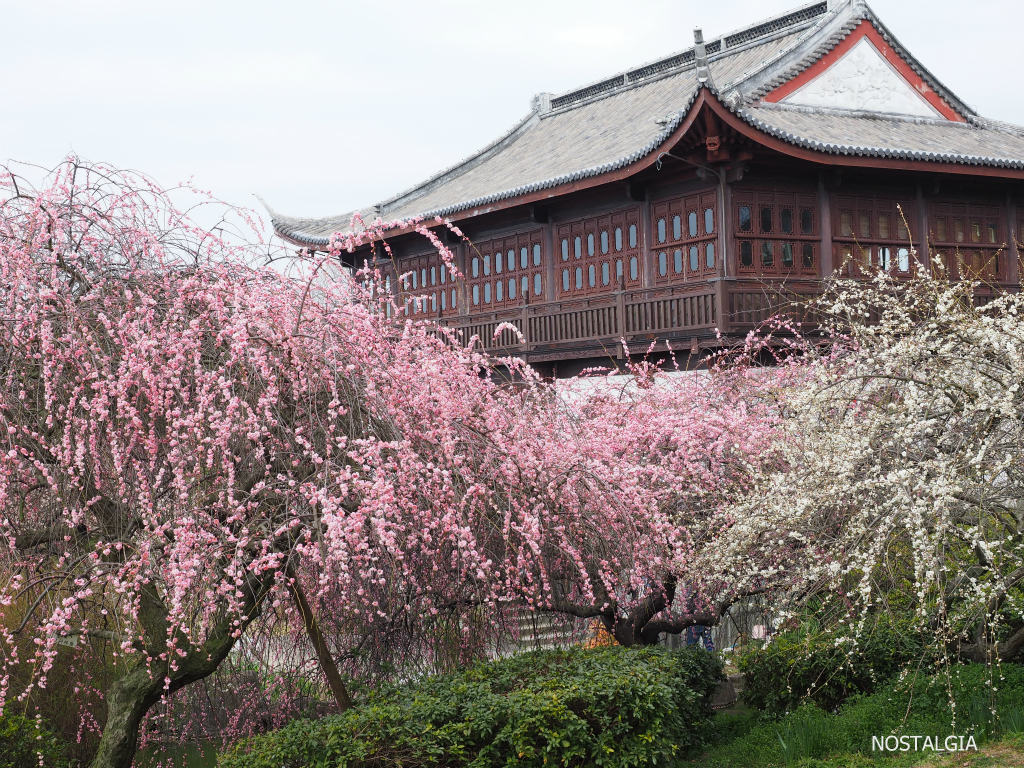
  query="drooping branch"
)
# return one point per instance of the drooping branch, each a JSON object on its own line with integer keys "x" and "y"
{"x": 194, "y": 411}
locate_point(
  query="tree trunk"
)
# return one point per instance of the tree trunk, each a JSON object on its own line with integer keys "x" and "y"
{"x": 128, "y": 700}
{"x": 323, "y": 652}
{"x": 130, "y": 697}
{"x": 982, "y": 651}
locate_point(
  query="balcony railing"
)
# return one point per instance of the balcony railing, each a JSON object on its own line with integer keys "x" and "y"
{"x": 676, "y": 315}
{"x": 595, "y": 325}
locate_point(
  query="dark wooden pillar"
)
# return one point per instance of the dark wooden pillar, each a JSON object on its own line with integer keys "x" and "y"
{"x": 923, "y": 249}
{"x": 825, "y": 265}
{"x": 646, "y": 240}
{"x": 1012, "y": 248}
{"x": 724, "y": 216}
{"x": 552, "y": 260}
{"x": 462, "y": 288}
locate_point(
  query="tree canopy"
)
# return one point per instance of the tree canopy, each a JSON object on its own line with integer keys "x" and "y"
{"x": 899, "y": 485}
{"x": 193, "y": 446}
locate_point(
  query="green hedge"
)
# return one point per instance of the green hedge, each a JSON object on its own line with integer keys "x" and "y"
{"x": 919, "y": 705}
{"x": 579, "y": 707}
{"x": 24, "y": 744}
{"x": 826, "y": 668}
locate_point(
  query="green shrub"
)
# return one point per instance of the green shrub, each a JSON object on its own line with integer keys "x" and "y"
{"x": 579, "y": 707}
{"x": 24, "y": 744}
{"x": 919, "y": 705}
{"x": 826, "y": 668}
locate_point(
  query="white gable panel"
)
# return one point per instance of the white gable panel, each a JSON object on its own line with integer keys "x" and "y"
{"x": 862, "y": 80}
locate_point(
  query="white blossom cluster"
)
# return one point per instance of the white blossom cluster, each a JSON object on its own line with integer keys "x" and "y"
{"x": 901, "y": 472}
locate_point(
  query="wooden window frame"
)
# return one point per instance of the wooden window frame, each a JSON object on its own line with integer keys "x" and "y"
{"x": 424, "y": 301}
{"x": 683, "y": 206}
{"x": 592, "y": 227}
{"x": 986, "y": 258}
{"x": 858, "y": 254}
{"x": 776, "y": 200}
{"x": 515, "y": 243}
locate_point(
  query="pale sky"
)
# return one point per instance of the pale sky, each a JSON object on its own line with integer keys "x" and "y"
{"x": 320, "y": 107}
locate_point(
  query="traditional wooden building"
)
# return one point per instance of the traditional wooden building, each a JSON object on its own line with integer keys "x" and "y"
{"x": 679, "y": 197}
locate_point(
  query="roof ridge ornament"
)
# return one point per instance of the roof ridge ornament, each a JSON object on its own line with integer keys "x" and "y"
{"x": 701, "y": 58}
{"x": 541, "y": 103}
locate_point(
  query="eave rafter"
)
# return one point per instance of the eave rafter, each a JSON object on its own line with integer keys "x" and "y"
{"x": 711, "y": 141}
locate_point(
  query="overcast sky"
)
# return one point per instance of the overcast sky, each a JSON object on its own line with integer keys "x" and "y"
{"x": 320, "y": 107}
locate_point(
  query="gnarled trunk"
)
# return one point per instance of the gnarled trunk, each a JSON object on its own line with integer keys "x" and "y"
{"x": 128, "y": 700}
{"x": 130, "y": 697}
{"x": 984, "y": 651}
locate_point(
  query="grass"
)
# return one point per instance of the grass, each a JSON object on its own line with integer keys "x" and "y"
{"x": 812, "y": 738}
{"x": 178, "y": 756}
{"x": 1005, "y": 753}
{"x": 811, "y": 750}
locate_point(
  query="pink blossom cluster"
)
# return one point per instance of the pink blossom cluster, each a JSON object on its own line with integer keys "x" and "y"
{"x": 182, "y": 434}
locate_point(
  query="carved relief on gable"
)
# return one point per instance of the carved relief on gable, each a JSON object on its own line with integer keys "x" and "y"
{"x": 863, "y": 80}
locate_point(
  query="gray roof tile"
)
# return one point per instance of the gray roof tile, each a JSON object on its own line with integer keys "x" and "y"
{"x": 979, "y": 142}
{"x": 615, "y": 121}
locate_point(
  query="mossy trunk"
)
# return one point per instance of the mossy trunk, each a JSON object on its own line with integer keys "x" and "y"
{"x": 140, "y": 687}
{"x": 128, "y": 700}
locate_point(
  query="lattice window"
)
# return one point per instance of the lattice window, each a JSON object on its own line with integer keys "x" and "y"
{"x": 599, "y": 254}
{"x": 428, "y": 288}
{"x": 969, "y": 238}
{"x": 777, "y": 232}
{"x": 871, "y": 233}
{"x": 506, "y": 271}
{"x": 685, "y": 238}
{"x": 378, "y": 290}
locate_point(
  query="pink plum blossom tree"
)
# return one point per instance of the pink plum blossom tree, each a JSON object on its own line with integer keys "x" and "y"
{"x": 197, "y": 452}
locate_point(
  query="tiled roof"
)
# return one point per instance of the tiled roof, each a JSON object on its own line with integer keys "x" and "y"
{"x": 979, "y": 142}
{"x": 614, "y": 122}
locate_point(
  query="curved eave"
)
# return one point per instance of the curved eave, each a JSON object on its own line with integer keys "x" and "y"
{"x": 540, "y": 190}
{"x": 972, "y": 161}
{"x": 823, "y": 153}
{"x": 829, "y": 153}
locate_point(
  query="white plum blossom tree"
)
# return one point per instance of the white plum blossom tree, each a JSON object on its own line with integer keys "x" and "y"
{"x": 902, "y": 462}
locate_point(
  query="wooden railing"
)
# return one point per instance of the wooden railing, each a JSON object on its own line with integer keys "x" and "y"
{"x": 594, "y": 326}
{"x": 597, "y": 324}
{"x": 749, "y": 303}
{"x": 671, "y": 313}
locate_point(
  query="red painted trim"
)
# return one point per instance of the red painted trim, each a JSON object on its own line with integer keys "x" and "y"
{"x": 858, "y": 161}
{"x": 862, "y": 30}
